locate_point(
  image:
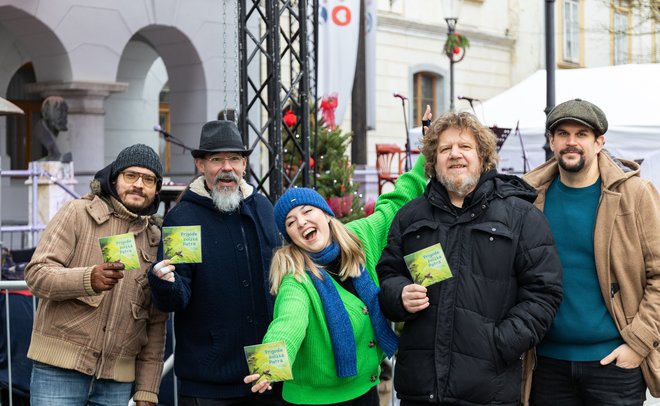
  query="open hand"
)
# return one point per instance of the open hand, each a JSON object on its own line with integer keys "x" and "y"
{"x": 106, "y": 275}
{"x": 164, "y": 270}
{"x": 414, "y": 298}
{"x": 260, "y": 387}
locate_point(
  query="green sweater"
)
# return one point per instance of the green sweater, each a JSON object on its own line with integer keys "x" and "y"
{"x": 299, "y": 319}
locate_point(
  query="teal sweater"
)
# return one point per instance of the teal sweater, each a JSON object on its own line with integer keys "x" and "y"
{"x": 583, "y": 329}
{"x": 299, "y": 319}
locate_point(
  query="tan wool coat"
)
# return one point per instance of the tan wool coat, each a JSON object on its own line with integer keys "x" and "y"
{"x": 117, "y": 334}
{"x": 627, "y": 251}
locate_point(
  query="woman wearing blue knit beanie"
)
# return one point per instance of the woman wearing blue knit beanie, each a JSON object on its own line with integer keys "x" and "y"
{"x": 326, "y": 309}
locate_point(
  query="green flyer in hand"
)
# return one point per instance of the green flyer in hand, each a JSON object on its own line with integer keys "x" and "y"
{"x": 183, "y": 244}
{"x": 269, "y": 360}
{"x": 120, "y": 248}
{"x": 428, "y": 266}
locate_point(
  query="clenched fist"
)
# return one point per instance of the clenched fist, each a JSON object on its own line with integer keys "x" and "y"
{"x": 164, "y": 270}
{"x": 105, "y": 276}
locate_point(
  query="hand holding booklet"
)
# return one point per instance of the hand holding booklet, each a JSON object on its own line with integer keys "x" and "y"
{"x": 182, "y": 244}
{"x": 428, "y": 265}
{"x": 269, "y": 360}
{"x": 120, "y": 248}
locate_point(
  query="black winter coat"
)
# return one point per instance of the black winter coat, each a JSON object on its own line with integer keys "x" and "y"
{"x": 466, "y": 347}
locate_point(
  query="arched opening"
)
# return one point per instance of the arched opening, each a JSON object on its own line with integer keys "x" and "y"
{"x": 22, "y": 147}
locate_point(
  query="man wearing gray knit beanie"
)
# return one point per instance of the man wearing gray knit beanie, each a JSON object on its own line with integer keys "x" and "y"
{"x": 96, "y": 328}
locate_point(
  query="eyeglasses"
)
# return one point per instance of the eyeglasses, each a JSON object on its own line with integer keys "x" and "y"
{"x": 234, "y": 160}
{"x": 131, "y": 177}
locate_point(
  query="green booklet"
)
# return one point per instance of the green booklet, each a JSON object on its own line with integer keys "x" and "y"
{"x": 428, "y": 266}
{"x": 269, "y": 360}
{"x": 120, "y": 248}
{"x": 183, "y": 244}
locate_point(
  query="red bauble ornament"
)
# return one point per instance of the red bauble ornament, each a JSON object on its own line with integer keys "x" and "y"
{"x": 457, "y": 50}
{"x": 290, "y": 119}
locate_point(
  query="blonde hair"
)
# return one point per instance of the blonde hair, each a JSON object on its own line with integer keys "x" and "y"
{"x": 294, "y": 260}
{"x": 464, "y": 121}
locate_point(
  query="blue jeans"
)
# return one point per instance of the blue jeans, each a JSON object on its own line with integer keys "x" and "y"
{"x": 585, "y": 383}
{"x": 52, "y": 386}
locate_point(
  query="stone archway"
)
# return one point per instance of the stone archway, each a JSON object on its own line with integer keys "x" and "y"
{"x": 154, "y": 56}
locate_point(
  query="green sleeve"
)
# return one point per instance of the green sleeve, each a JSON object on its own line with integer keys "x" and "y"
{"x": 373, "y": 230}
{"x": 290, "y": 316}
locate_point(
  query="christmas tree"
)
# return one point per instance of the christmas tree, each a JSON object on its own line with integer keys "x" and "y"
{"x": 334, "y": 172}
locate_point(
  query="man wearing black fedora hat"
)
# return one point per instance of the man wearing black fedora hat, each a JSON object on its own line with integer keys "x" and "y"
{"x": 603, "y": 346}
{"x": 222, "y": 304}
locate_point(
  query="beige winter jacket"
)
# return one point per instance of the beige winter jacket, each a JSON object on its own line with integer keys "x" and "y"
{"x": 116, "y": 334}
{"x": 627, "y": 251}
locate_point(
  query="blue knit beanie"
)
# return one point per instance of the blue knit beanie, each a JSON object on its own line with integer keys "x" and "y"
{"x": 294, "y": 197}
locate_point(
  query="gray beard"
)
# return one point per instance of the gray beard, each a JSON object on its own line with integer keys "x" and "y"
{"x": 461, "y": 187}
{"x": 227, "y": 199}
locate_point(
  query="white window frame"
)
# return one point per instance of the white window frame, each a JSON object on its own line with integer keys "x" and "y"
{"x": 571, "y": 31}
{"x": 620, "y": 37}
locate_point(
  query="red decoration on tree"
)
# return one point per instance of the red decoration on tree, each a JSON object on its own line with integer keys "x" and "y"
{"x": 290, "y": 119}
{"x": 311, "y": 163}
{"x": 457, "y": 51}
{"x": 328, "y": 106}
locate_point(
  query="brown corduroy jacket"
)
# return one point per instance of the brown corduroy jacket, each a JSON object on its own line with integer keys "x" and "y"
{"x": 627, "y": 254}
{"x": 117, "y": 334}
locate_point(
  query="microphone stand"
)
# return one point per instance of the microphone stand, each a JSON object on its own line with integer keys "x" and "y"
{"x": 173, "y": 140}
{"x": 408, "y": 164}
{"x": 526, "y": 167}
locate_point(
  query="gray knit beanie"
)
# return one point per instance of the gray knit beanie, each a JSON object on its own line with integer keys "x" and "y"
{"x": 137, "y": 155}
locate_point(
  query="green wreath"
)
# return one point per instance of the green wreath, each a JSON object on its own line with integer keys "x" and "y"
{"x": 455, "y": 43}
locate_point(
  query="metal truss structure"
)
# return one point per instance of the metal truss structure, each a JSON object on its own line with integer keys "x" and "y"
{"x": 277, "y": 65}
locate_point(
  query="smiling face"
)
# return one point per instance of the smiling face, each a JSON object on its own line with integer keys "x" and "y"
{"x": 308, "y": 228}
{"x": 575, "y": 146}
{"x": 135, "y": 196}
{"x": 458, "y": 165}
{"x": 222, "y": 170}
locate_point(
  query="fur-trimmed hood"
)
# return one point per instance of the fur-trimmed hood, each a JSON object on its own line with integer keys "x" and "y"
{"x": 103, "y": 187}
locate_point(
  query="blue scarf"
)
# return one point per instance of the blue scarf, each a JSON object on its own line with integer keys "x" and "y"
{"x": 338, "y": 322}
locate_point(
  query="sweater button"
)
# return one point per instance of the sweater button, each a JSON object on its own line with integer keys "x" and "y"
{"x": 372, "y": 378}
{"x": 655, "y": 344}
{"x": 372, "y": 344}
{"x": 239, "y": 247}
{"x": 96, "y": 354}
{"x": 246, "y": 283}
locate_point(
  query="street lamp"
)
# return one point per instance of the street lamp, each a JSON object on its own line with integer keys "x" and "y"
{"x": 455, "y": 45}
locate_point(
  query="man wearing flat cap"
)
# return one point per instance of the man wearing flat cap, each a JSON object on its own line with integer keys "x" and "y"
{"x": 603, "y": 346}
{"x": 97, "y": 339}
{"x": 221, "y": 304}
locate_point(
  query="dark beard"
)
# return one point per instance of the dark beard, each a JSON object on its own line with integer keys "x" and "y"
{"x": 571, "y": 168}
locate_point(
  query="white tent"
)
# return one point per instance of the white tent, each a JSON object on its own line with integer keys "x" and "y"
{"x": 628, "y": 94}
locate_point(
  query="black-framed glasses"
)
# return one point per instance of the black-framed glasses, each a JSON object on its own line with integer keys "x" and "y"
{"x": 234, "y": 160}
{"x": 131, "y": 177}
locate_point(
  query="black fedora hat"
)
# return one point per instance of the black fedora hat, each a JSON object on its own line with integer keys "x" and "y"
{"x": 220, "y": 136}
